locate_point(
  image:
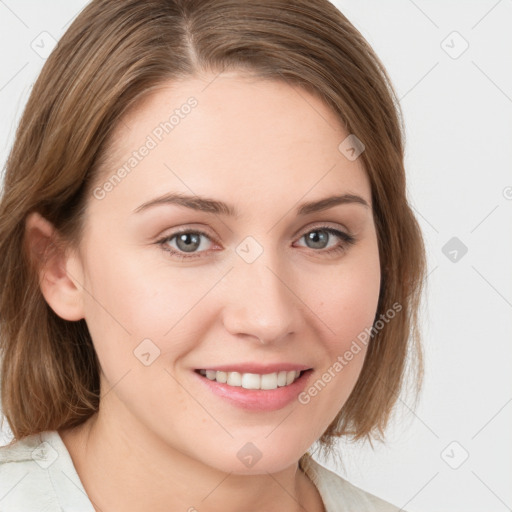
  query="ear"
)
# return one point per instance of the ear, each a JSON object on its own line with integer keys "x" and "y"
{"x": 60, "y": 271}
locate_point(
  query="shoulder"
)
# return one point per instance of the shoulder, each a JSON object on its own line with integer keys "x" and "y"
{"x": 21, "y": 470}
{"x": 25, "y": 453}
{"x": 339, "y": 494}
{"x": 36, "y": 474}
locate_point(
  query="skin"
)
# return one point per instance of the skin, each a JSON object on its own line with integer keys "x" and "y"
{"x": 160, "y": 440}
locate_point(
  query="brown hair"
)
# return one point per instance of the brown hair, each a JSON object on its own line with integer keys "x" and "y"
{"x": 112, "y": 55}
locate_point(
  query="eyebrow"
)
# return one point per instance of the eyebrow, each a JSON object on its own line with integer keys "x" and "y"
{"x": 208, "y": 205}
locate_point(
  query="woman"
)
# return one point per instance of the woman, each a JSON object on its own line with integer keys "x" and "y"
{"x": 206, "y": 231}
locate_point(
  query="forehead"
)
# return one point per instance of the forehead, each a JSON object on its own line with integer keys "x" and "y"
{"x": 229, "y": 132}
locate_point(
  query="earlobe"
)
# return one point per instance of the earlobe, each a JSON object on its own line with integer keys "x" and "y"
{"x": 60, "y": 287}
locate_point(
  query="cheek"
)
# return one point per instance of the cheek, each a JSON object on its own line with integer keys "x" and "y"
{"x": 345, "y": 303}
{"x": 132, "y": 299}
{"x": 345, "y": 298}
{"x": 125, "y": 289}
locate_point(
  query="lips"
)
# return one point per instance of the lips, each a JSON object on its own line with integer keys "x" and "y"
{"x": 254, "y": 376}
{"x": 263, "y": 388}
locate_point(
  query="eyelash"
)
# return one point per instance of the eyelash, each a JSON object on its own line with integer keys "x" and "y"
{"x": 347, "y": 240}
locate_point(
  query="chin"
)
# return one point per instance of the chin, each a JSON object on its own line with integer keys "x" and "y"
{"x": 248, "y": 459}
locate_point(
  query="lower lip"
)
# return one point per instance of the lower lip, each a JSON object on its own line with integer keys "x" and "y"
{"x": 257, "y": 399}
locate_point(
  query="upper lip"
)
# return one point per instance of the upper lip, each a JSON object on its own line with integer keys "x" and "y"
{"x": 257, "y": 368}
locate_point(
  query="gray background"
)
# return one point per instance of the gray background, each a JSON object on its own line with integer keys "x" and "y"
{"x": 458, "y": 112}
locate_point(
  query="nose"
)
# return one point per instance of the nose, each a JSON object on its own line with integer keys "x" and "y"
{"x": 260, "y": 301}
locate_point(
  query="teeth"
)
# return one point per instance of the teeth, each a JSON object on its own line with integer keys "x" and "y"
{"x": 234, "y": 379}
{"x": 269, "y": 381}
{"x": 221, "y": 377}
{"x": 281, "y": 379}
{"x": 252, "y": 380}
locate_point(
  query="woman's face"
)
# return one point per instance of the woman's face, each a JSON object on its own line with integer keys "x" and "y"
{"x": 255, "y": 284}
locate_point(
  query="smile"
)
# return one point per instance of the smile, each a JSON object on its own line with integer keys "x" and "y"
{"x": 266, "y": 381}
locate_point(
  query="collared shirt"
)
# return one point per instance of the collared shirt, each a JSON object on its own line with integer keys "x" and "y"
{"x": 37, "y": 474}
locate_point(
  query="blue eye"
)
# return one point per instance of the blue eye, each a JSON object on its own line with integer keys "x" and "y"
{"x": 319, "y": 238}
{"x": 188, "y": 242}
